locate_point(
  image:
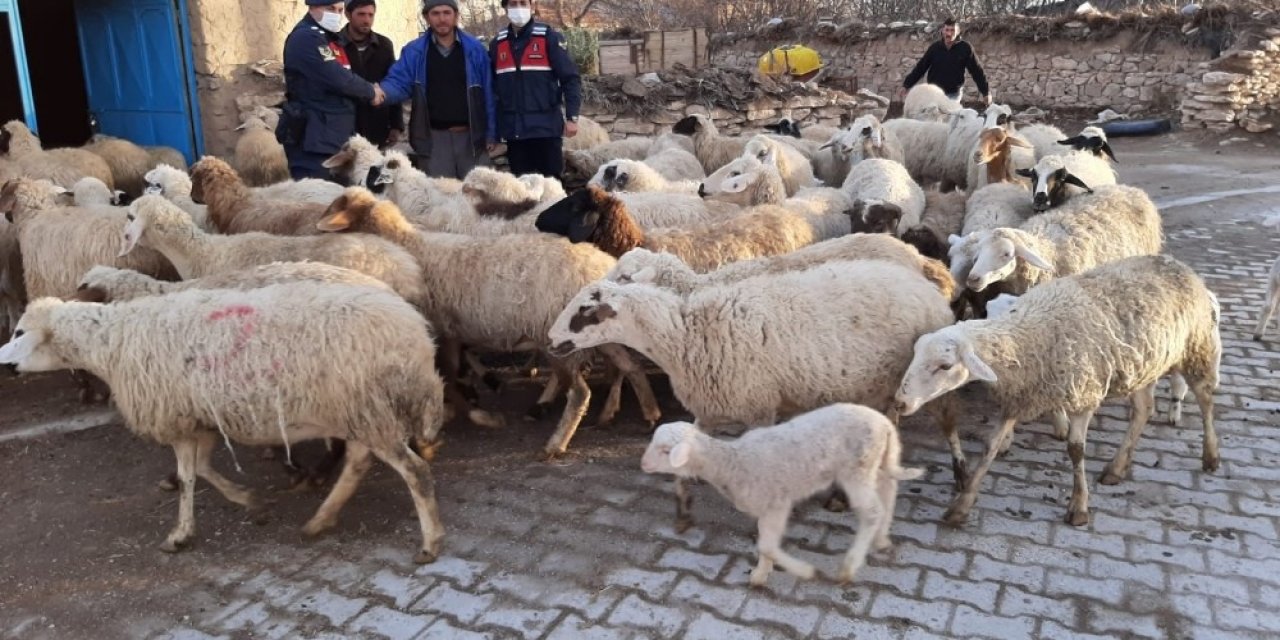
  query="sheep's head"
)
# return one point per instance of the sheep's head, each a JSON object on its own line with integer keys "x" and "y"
{"x": 353, "y": 160}
{"x": 1092, "y": 140}
{"x": 98, "y": 283}
{"x": 998, "y": 116}
{"x": 926, "y": 242}
{"x": 944, "y": 360}
{"x": 1001, "y": 305}
{"x": 24, "y": 194}
{"x": 963, "y": 118}
{"x": 616, "y": 175}
{"x": 996, "y": 257}
{"x": 15, "y": 131}
{"x": 1050, "y": 179}
{"x": 691, "y": 125}
{"x": 587, "y": 320}
{"x": 866, "y": 132}
{"x": 206, "y": 169}
{"x": 592, "y": 215}
{"x": 762, "y": 148}
{"x": 150, "y": 214}
{"x": 31, "y": 347}
{"x": 996, "y": 144}
{"x": 784, "y": 127}
{"x": 670, "y": 449}
{"x": 351, "y": 211}
{"x": 90, "y": 191}
{"x": 392, "y": 170}
{"x": 164, "y": 180}
{"x": 874, "y": 217}
{"x": 658, "y": 268}
{"x": 732, "y": 182}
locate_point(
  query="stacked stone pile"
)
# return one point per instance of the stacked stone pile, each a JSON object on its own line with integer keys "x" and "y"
{"x": 1239, "y": 89}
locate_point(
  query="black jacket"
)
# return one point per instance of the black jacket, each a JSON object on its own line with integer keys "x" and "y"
{"x": 374, "y": 123}
{"x": 947, "y": 66}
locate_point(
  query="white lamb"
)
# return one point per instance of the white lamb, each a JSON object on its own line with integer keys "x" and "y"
{"x": 1073, "y": 343}
{"x": 175, "y": 185}
{"x": 928, "y": 102}
{"x": 1057, "y": 178}
{"x": 196, "y": 367}
{"x": 748, "y": 182}
{"x": 768, "y": 470}
{"x": 885, "y": 183}
{"x": 792, "y": 165}
{"x": 922, "y": 143}
{"x": 638, "y": 175}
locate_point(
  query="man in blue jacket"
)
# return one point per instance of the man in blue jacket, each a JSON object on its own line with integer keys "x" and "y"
{"x": 451, "y": 123}
{"x": 320, "y": 91}
{"x": 534, "y": 79}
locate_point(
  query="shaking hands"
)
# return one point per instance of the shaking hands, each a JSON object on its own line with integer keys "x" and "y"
{"x": 379, "y": 96}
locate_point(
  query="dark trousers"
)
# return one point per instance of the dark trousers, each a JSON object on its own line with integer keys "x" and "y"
{"x": 537, "y": 155}
{"x": 307, "y": 165}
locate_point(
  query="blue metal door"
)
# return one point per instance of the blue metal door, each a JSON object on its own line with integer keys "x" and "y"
{"x": 135, "y": 70}
{"x": 10, "y": 8}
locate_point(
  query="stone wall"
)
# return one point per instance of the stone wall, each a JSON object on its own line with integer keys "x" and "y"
{"x": 1124, "y": 72}
{"x": 1240, "y": 89}
{"x": 237, "y": 47}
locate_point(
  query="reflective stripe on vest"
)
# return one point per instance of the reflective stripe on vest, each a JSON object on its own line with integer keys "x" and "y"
{"x": 535, "y": 56}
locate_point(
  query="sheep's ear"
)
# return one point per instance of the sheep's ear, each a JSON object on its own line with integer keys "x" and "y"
{"x": 978, "y": 370}
{"x": 1026, "y": 173}
{"x": 1106, "y": 148}
{"x": 1071, "y": 179}
{"x": 582, "y": 228}
{"x": 344, "y": 155}
{"x": 679, "y": 455}
{"x": 770, "y": 157}
{"x": 1015, "y": 141}
{"x": 1030, "y": 257}
{"x": 827, "y": 145}
{"x": 339, "y": 221}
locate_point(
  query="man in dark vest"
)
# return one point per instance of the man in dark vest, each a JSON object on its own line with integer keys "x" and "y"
{"x": 320, "y": 91}
{"x": 446, "y": 74}
{"x": 537, "y": 91}
{"x": 371, "y": 56}
{"x": 946, "y": 60}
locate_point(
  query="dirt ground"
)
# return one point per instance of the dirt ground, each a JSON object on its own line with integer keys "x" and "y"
{"x": 81, "y": 514}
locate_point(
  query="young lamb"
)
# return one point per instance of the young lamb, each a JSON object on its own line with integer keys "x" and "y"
{"x": 91, "y": 192}
{"x": 1114, "y": 222}
{"x": 1076, "y": 341}
{"x": 1092, "y": 140}
{"x": 1273, "y": 291}
{"x": 794, "y": 341}
{"x": 128, "y": 162}
{"x": 583, "y": 163}
{"x": 792, "y": 165}
{"x": 233, "y": 208}
{"x": 713, "y": 150}
{"x": 175, "y": 185}
{"x": 499, "y": 293}
{"x": 590, "y": 135}
{"x": 156, "y": 223}
{"x": 885, "y": 183}
{"x": 748, "y": 182}
{"x": 62, "y": 167}
{"x": 1056, "y": 178}
{"x": 921, "y": 145}
{"x": 259, "y": 158}
{"x": 768, "y": 470}
{"x": 927, "y": 102}
{"x": 353, "y": 161}
{"x": 257, "y": 367}
{"x": 600, "y": 218}
{"x": 638, "y": 176}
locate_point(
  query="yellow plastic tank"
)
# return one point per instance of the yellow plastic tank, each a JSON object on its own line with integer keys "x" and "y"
{"x": 795, "y": 60}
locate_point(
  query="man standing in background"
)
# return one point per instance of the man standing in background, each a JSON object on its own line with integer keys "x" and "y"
{"x": 946, "y": 60}
{"x": 371, "y": 55}
{"x": 537, "y": 91}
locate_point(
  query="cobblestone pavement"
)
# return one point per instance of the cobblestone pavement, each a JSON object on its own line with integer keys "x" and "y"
{"x": 585, "y": 548}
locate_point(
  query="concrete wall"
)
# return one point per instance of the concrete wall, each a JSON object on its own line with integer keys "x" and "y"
{"x": 231, "y": 37}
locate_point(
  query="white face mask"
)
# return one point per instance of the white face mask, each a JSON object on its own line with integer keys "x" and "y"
{"x": 520, "y": 16}
{"x": 331, "y": 22}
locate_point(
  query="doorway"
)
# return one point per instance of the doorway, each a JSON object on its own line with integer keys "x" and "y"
{"x": 10, "y": 89}
{"x": 57, "y": 75}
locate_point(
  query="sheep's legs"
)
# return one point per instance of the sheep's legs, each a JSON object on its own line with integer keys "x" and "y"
{"x": 959, "y": 510}
{"x": 1078, "y": 510}
{"x": 771, "y": 528}
{"x": 871, "y": 515}
{"x": 684, "y": 505}
{"x": 887, "y": 486}
{"x": 554, "y": 383}
{"x": 575, "y": 407}
{"x": 450, "y": 356}
{"x": 206, "y": 442}
{"x": 417, "y": 475}
{"x": 186, "y": 453}
{"x": 1061, "y": 425}
{"x": 944, "y": 412}
{"x": 1177, "y": 392}
{"x": 1272, "y": 304}
{"x": 1143, "y": 402}
{"x": 358, "y": 461}
{"x": 1204, "y": 397}
{"x": 639, "y": 383}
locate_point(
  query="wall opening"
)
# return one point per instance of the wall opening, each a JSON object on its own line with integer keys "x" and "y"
{"x": 57, "y": 75}
{"x": 10, "y": 90}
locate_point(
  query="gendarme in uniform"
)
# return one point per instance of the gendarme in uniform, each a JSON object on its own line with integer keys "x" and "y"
{"x": 319, "y": 113}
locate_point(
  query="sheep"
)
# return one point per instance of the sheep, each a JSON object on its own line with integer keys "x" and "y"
{"x": 1044, "y": 138}
{"x": 585, "y": 162}
{"x": 63, "y": 167}
{"x": 794, "y": 168}
{"x": 1273, "y": 291}
{"x": 1092, "y": 140}
{"x": 921, "y": 143}
{"x": 259, "y": 157}
{"x": 668, "y": 271}
{"x": 943, "y": 216}
{"x": 1074, "y": 342}
{"x": 175, "y": 185}
{"x": 812, "y": 132}
{"x": 866, "y": 137}
{"x": 637, "y": 176}
{"x": 156, "y": 223}
{"x": 667, "y": 141}
{"x": 166, "y": 155}
{"x": 997, "y": 156}
{"x": 312, "y": 190}
{"x": 1056, "y": 178}
{"x": 768, "y": 470}
{"x": 91, "y": 192}
{"x": 964, "y": 128}
{"x": 748, "y": 182}
{"x": 128, "y": 162}
{"x": 883, "y": 183}
{"x": 713, "y": 150}
{"x": 259, "y": 366}
{"x": 60, "y": 244}
{"x": 998, "y": 116}
{"x": 353, "y": 161}
{"x": 596, "y": 216}
{"x": 1003, "y": 204}
{"x": 13, "y": 293}
{"x": 729, "y": 377}
{"x": 233, "y": 208}
{"x": 499, "y": 194}
{"x": 121, "y": 285}
{"x": 500, "y": 293}
{"x": 1114, "y": 222}
{"x": 590, "y": 134}
{"x": 927, "y": 102}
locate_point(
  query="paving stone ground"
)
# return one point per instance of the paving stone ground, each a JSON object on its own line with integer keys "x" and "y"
{"x": 585, "y": 548}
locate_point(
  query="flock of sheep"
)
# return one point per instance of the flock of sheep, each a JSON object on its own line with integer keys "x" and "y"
{"x": 801, "y": 288}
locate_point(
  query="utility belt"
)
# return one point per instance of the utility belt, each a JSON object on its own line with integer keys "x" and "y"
{"x": 293, "y": 124}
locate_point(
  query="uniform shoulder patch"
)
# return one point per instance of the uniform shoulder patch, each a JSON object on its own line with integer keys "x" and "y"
{"x": 327, "y": 53}
{"x": 563, "y": 45}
